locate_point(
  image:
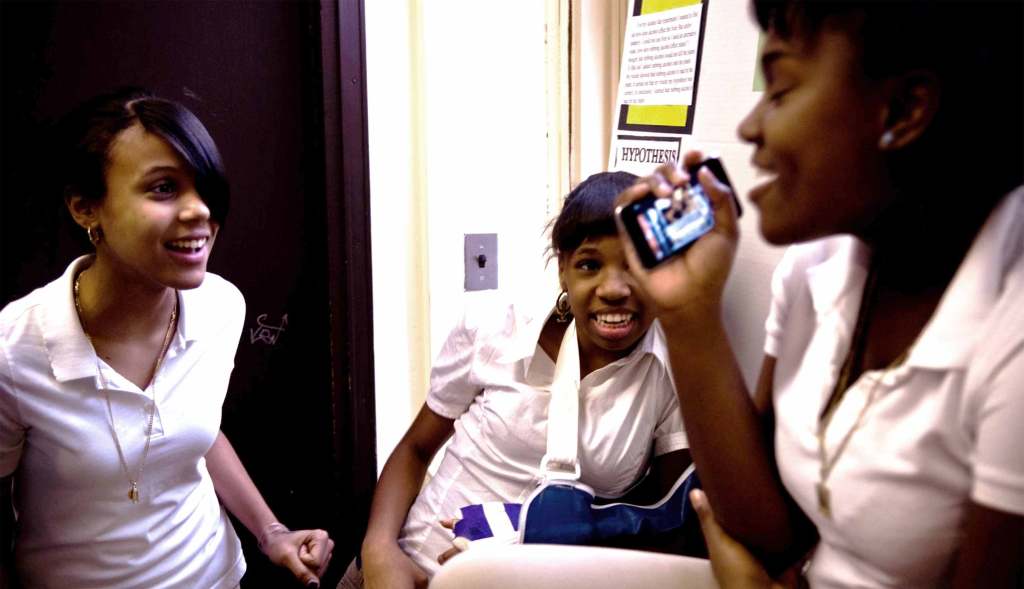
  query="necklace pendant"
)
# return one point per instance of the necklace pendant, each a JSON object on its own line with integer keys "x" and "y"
{"x": 824, "y": 500}
{"x": 133, "y": 492}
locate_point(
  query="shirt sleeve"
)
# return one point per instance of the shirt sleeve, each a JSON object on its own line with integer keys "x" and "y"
{"x": 670, "y": 434}
{"x": 781, "y": 298}
{"x": 12, "y": 431}
{"x": 451, "y": 388}
{"x": 998, "y": 460}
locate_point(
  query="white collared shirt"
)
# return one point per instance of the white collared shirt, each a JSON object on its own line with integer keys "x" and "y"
{"x": 944, "y": 428}
{"x": 494, "y": 380}
{"x": 77, "y": 527}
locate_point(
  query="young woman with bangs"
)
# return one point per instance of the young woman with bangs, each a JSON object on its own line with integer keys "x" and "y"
{"x": 113, "y": 375}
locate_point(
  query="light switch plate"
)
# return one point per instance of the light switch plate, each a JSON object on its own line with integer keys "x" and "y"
{"x": 481, "y": 258}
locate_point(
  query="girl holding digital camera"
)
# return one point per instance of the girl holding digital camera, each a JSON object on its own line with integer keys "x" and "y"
{"x": 882, "y": 443}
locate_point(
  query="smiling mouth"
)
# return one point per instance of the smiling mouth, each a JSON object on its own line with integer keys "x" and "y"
{"x": 187, "y": 246}
{"x": 613, "y": 320}
{"x": 614, "y": 326}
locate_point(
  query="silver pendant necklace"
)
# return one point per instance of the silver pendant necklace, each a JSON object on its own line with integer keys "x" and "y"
{"x": 133, "y": 481}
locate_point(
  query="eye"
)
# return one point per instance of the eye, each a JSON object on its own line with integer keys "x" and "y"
{"x": 776, "y": 96}
{"x": 164, "y": 188}
{"x": 588, "y": 265}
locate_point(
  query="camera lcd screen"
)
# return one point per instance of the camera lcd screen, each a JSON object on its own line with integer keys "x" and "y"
{"x": 662, "y": 227}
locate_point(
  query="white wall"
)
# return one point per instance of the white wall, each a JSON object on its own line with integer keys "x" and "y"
{"x": 458, "y": 144}
{"x": 457, "y": 138}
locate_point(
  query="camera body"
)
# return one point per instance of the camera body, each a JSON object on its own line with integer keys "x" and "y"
{"x": 663, "y": 227}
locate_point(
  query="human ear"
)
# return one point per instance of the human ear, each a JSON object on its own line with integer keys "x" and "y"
{"x": 83, "y": 210}
{"x": 561, "y": 272}
{"x": 913, "y": 100}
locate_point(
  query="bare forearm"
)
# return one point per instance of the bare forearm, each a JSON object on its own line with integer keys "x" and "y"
{"x": 399, "y": 484}
{"x": 235, "y": 488}
{"x": 728, "y": 444}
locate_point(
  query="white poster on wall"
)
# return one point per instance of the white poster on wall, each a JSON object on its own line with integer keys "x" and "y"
{"x": 657, "y": 82}
{"x": 659, "y": 57}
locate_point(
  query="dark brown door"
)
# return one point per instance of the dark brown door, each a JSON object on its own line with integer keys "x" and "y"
{"x": 280, "y": 86}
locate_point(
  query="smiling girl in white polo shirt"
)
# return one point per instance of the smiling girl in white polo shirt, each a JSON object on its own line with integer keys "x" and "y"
{"x": 490, "y": 391}
{"x": 112, "y": 376}
{"x": 886, "y": 428}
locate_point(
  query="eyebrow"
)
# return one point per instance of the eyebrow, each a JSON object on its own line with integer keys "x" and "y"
{"x": 161, "y": 169}
{"x": 586, "y": 250}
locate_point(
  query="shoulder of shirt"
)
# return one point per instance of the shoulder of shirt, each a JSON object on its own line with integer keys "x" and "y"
{"x": 1001, "y": 339}
{"x": 214, "y": 303}
{"x": 14, "y": 313}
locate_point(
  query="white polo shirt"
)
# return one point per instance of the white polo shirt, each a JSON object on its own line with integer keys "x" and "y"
{"x": 944, "y": 429}
{"x": 494, "y": 380}
{"x": 77, "y": 527}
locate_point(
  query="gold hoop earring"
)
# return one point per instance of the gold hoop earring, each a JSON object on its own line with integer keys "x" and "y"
{"x": 563, "y": 312}
{"x": 95, "y": 234}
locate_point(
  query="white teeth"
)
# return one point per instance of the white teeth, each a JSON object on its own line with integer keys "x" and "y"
{"x": 614, "y": 318}
{"x": 188, "y": 244}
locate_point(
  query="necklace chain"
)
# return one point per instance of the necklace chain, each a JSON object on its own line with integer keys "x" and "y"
{"x": 133, "y": 482}
{"x": 854, "y": 356}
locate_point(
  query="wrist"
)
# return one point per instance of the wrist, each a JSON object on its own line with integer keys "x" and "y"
{"x": 694, "y": 317}
{"x": 268, "y": 532}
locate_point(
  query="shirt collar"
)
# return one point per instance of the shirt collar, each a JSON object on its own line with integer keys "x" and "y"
{"x": 71, "y": 354}
{"x": 836, "y": 284}
{"x": 949, "y": 338}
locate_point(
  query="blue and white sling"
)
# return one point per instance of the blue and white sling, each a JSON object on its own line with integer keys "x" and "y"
{"x": 561, "y": 509}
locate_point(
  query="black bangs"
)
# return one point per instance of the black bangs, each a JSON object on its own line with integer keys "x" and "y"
{"x": 588, "y": 211}
{"x": 798, "y": 17}
{"x": 187, "y": 135}
{"x": 84, "y": 137}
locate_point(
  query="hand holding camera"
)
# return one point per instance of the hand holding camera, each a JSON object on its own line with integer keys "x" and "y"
{"x": 679, "y": 226}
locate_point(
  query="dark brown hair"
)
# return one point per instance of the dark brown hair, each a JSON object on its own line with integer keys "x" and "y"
{"x": 86, "y": 134}
{"x": 588, "y": 211}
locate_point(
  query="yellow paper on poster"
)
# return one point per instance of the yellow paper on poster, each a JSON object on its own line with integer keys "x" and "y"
{"x": 652, "y": 6}
{"x": 666, "y": 115}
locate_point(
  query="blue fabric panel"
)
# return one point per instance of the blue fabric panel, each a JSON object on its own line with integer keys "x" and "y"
{"x": 473, "y": 524}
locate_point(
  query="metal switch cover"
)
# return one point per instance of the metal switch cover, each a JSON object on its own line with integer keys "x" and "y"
{"x": 481, "y": 253}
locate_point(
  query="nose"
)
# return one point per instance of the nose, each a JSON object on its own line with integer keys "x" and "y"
{"x": 616, "y": 285}
{"x": 750, "y": 127}
{"x": 193, "y": 208}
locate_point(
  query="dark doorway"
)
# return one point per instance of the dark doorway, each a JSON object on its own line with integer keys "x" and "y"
{"x": 280, "y": 85}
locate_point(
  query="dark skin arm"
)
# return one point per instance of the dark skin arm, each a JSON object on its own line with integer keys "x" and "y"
{"x": 992, "y": 551}
{"x": 737, "y": 470}
{"x": 384, "y": 562}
